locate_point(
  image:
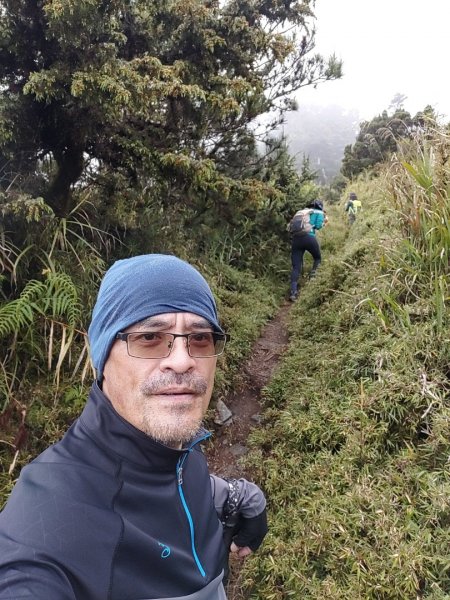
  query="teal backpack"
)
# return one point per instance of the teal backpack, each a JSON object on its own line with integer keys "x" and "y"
{"x": 300, "y": 223}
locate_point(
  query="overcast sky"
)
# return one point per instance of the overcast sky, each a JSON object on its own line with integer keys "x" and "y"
{"x": 388, "y": 47}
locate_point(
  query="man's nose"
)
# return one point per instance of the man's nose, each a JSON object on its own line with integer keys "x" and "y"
{"x": 179, "y": 359}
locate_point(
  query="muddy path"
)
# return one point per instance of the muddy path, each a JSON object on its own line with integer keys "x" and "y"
{"x": 229, "y": 443}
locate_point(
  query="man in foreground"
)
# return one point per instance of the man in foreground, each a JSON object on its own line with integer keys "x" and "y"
{"x": 123, "y": 507}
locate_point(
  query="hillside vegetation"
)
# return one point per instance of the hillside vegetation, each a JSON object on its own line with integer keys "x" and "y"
{"x": 129, "y": 128}
{"x": 354, "y": 452}
{"x": 354, "y": 448}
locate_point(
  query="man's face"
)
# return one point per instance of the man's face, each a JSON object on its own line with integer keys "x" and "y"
{"x": 165, "y": 398}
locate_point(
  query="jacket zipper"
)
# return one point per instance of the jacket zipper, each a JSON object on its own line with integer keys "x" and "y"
{"x": 179, "y": 472}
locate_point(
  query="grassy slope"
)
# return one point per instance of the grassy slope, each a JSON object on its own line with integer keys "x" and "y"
{"x": 355, "y": 454}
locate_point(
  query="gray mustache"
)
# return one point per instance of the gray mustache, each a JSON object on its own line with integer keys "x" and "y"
{"x": 158, "y": 384}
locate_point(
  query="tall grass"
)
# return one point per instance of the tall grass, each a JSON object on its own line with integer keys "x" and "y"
{"x": 354, "y": 452}
{"x": 417, "y": 182}
{"x": 46, "y": 294}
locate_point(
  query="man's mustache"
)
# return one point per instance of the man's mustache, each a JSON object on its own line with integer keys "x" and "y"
{"x": 158, "y": 384}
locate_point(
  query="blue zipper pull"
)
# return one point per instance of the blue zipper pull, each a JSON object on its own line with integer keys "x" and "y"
{"x": 180, "y": 475}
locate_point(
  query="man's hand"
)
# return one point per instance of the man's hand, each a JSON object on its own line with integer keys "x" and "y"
{"x": 240, "y": 552}
{"x": 250, "y": 535}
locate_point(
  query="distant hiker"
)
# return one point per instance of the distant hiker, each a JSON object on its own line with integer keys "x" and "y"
{"x": 352, "y": 206}
{"x": 303, "y": 227}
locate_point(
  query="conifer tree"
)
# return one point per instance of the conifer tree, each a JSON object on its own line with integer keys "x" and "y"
{"x": 98, "y": 90}
{"x": 377, "y": 140}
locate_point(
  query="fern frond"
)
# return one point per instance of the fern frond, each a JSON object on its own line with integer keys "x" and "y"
{"x": 14, "y": 316}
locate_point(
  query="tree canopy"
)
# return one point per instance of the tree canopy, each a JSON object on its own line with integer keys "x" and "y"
{"x": 114, "y": 91}
{"x": 378, "y": 139}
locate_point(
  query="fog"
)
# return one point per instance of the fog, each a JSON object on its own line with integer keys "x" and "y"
{"x": 388, "y": 47}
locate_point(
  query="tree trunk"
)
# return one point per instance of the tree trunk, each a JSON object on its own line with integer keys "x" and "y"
{"x": 59, "y": 195}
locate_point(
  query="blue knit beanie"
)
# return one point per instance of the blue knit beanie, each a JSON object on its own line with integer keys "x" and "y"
{"x": 140, "y": 287}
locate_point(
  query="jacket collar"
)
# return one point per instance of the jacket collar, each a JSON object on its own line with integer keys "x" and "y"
{"x": 111, "y": 431}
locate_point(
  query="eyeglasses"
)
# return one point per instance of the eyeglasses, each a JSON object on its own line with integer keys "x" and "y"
{"x": 157, "y": 344}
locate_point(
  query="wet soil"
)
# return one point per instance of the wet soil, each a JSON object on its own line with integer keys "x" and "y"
{"x": 229, "y": 442}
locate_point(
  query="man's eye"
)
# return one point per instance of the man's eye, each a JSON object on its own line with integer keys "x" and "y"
{"x": 148, "y": 338}
{"x": 201, "y": 338}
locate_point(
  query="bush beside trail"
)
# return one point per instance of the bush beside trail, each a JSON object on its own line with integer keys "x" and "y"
{"x": 354, "y": 453}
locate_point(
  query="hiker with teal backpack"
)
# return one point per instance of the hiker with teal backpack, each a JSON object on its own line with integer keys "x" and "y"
{"x": 303, "y": 227}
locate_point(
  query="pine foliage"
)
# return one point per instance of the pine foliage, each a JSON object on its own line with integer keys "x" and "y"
{"x": 111, "y": 93}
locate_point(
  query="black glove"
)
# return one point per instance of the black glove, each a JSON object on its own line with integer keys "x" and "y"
{"x": 252, "y": 531}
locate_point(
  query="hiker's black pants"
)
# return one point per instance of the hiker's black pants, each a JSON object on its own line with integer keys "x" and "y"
{"x": 300, "y": 245}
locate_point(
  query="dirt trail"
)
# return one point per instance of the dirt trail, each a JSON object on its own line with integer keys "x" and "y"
{"x": 229, "y": 442}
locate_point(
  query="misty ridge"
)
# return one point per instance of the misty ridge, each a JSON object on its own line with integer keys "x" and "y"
{"x": 333, "y": 140}
{"x": 321, "y": 134}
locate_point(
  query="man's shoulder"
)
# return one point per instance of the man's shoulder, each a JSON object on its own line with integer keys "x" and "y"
{"x": 317, "y": 215}
{"x": 53, "y": 502}
{"x": 56, "y": 511}
{"x": 64, "y": 474}
{"x": 51, "y": 483}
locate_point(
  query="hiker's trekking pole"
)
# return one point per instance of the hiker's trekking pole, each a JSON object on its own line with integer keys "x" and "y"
{"x": 230, "y": 528}
{"x": 230, "y": 522}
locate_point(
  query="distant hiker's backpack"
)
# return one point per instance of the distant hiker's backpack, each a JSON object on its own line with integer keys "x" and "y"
{"x": 354, "y": 206}
{"x": 300, "y": 222}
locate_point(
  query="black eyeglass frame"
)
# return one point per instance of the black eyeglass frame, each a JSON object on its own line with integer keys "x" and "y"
{"x": 225, "y": 337}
